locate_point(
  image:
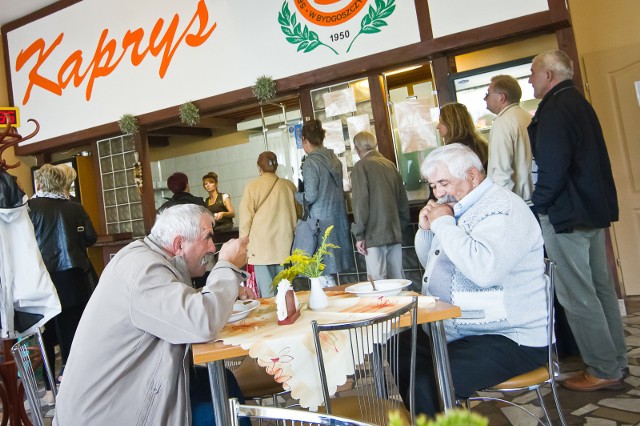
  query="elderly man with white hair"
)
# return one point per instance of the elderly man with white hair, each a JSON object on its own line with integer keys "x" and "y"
{"x": 129, "y": 363}
{"x": 481, "y": 248}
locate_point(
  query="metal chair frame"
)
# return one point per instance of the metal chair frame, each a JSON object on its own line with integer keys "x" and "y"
{"x": 285, "y": 416}
{"x": 24, "y": 361}
{"x": 552, "y": 363}
{"x": 380, "y": 366}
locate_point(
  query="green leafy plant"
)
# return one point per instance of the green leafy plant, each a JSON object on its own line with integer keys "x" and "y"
{"x": 189, "y": 113}
{"x": 297, "y": 34}
{"x": 128, "y": 124}
{"x": 374, "y": 20}
{"x": 456, "y": 417}
{"x": 305, "y": 265}
{"x": 264, "y": 89}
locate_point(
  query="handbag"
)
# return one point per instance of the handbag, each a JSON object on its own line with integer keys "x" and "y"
{"x": 307, "y": 232}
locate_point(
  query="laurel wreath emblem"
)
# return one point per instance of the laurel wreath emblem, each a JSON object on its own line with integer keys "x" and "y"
{"x": 373, "y": 20}
{"x": 296, "y": 34}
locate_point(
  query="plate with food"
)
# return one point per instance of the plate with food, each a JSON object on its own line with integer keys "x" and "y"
{"x": 242, "y": 308}
{"x": 389, "y": 287}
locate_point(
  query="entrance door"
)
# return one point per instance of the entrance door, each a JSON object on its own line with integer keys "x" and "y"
{"x": 613, "y": 79}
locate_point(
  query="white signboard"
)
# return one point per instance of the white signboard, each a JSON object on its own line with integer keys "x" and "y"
{"x": 94, "y": 61}
{"x": 454, "y": 16}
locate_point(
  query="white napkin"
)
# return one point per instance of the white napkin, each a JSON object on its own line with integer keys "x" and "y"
{"x": 281, "y": 304}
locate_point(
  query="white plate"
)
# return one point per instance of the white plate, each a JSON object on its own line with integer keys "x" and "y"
{"x": 242, "y": 308}
{"x": 383, "y": 287}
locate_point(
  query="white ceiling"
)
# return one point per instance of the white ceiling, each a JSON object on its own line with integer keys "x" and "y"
{"x": 10, "y": 10}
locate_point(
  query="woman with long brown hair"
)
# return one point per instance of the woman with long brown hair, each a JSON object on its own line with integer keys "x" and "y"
{"x": 456, "y": 126}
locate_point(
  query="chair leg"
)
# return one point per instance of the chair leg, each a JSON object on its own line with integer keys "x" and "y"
{"x": 544, "y": 407}
{"x": 513, "y": 404}
{"x": 556, "y": 400}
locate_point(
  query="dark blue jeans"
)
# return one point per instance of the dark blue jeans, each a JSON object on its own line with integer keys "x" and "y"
{"x": 200, "y": 393}
{"x": 476, "y": 362}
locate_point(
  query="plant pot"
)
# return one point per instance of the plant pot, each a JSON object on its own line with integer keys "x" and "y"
{"x": 317, "y": 298}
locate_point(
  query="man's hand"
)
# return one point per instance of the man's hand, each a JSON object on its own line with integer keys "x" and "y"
{"x": 235, "y": 251}
{"x": 423, "y": 220}
{"x": 245, "y": 293}
{"x": 361, "y": 246}
{"x": 435, "y": 210}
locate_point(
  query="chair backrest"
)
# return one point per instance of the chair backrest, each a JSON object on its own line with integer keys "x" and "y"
{"x": 288, "y": 416}
{"x": 23, "y": 354}
{"x": 375, "y": 355}
{"x": 550, "y": 267}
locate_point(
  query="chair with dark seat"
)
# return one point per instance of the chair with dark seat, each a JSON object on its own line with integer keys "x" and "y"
{"x": 374, "y": 344}
{"x": 536, "y": 379}
{"x": 285, "y": 416}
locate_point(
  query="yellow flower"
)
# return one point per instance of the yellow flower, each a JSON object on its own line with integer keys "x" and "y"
{"x": 305, "y": 265}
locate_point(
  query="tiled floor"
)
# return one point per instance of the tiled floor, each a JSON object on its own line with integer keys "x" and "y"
{"x": 602, "y": 408}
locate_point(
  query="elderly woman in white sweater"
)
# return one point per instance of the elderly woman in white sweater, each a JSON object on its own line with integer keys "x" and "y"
{"x": 482, "y": 252}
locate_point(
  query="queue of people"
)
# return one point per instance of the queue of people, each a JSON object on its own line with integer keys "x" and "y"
{"x": 480, "y": 244}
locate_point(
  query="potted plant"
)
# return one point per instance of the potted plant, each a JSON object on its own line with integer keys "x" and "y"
{"x": 310, "y": 267}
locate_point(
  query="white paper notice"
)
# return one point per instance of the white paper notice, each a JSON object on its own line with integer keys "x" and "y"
{"x": 415, "y": 125}
{"x": 334, "y": 138}
{"x": 358, "y": 123}
{"x": 339, "y": 102}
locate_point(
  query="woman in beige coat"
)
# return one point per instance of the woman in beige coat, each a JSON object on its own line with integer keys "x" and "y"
{"x": 268, "y": 215}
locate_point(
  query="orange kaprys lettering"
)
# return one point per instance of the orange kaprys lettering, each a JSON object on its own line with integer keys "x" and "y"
{"x": 108, "y": 54}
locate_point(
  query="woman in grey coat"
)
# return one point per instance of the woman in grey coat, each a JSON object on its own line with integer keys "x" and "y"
{"x": 322, "y": 172}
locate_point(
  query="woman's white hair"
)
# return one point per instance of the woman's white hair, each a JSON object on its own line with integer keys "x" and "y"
{"x": 457, "y": 157}
{"x": 180, "y": 220}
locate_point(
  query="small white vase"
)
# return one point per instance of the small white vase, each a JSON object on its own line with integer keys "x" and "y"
{"x": 317, "y": 298}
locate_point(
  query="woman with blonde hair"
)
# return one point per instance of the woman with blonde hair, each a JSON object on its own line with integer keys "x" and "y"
{"x": 456, "y": 126}
{"x": 63, "y": 231}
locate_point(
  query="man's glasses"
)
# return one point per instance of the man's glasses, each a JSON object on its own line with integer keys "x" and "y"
{"x": 486, "y": 95}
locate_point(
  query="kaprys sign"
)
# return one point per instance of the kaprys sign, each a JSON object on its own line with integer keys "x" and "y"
{"x": 91, "y": 62}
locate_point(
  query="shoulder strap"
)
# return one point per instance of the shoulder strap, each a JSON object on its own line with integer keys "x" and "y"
{"x": 265, "y": 198}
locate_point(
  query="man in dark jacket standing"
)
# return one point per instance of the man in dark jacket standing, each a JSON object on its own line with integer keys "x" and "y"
{"x": 380, "y": 209}
{"x": 575, "y": 196}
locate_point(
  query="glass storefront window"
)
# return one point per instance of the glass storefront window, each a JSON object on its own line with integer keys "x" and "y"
{"x": 344, "y": 109}
{"x": 413, "y": 112}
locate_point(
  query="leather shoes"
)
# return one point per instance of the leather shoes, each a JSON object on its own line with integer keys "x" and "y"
{"x": 585, "y": 382}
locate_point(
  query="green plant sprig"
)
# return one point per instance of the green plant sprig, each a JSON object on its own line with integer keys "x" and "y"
{"x": 296, "y": 34}
{"x": 128, "y": 124}
{"x": 264, "y": 89}
{"x": 373, "y": 20}
{"x": 455, "y": 417}
{"x": 305, "y": 265}
{"x": 189, "y": 113}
